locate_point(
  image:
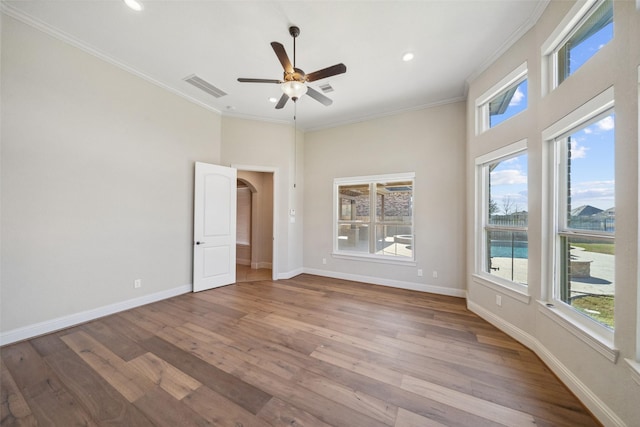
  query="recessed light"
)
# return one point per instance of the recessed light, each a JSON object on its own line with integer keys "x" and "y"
{"x": 230, "y": 107}
{"x": 273, "y": 100}
{"x": 407, "y": 56}
{"x": 134, "y": 4}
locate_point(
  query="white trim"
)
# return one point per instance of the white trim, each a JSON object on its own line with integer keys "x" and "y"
{"x": 601, "y": 343}
{"x": 290, "y": 274}
{"x": 502, "y": 152}
{"x": 519, "y": 292}
{"x": 482, "y": 102}
{"x": 412, "y": 286}
{"x": 634, "y": 367}
{"x": 371, "y": 180}
{"x": 597, "y": 407}
{"x": 367, "y": 257}
{"x": 548, "y": 49}
{"x": 268, "y": 169}
{"x": 64, "y": 322}
{"x": 590, "y": 109}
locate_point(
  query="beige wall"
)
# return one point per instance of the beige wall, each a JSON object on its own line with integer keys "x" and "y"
{"x": 606, "y": 387}
{"x": 97, "y": 180}
{"x": 429, "y": 142}
{"x": 270, "y": 146}
{"x": 261, "y": 255}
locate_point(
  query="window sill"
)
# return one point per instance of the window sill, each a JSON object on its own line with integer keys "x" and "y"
{"x": 515, "y": 291}
{"x": 373, "y": 258}
{"x": 635, "y": 369}
{"x": 600, "y": 343}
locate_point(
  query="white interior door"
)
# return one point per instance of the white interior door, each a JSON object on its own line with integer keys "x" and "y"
{"x": 214, "y": 227}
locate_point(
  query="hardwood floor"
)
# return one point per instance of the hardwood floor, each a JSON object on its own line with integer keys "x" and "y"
{"x": 244, "y": 273}
{"x": 308, "y": 351}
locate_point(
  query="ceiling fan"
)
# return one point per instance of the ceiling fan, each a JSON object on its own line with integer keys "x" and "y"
{"x": 294, "y": 80}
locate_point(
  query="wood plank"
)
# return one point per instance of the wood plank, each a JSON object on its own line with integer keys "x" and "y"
{"x": 119, "y": 344}
{"x": 50, "y": 401}
{"x": 354, "y": 399}
{"x": 103, "y": 402}
{"x": 14, "y": 410}
{"x": 409, "y": 419}
{"x": 220, "y": 411}
{"x": 164, "y": 410}
{"x": 245, "y": 395}
{"x": 167, "y": 377}
{"x": 280, "y": 414}
{"x": 127, "y": 380}
{"x": 468, "y": 403}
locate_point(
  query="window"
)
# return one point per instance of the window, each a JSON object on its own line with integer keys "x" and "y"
{"x": 504, "y": 100}
{"x": 587, "y": 28}
{"x": 374, "y": 216}
{"x": 503, "y": 216}
{"x": 585, "y": 221}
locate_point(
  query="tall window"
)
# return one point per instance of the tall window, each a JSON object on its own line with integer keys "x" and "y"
{"x": 503, "y": 215}
{"x": 585, "y": 214}
{"x": 504, "y": 100}
{"x": 374, "y": 216}
{"x": 587, "y": 220}
{"x": 587, "y": 29}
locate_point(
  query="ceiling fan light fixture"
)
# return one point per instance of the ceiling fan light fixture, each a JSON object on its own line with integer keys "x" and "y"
{"x": 294, "y": 89}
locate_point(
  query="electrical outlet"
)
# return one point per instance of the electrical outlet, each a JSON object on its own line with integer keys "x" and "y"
{"x": 435, "y": 274}
{"x": 499, "y": 300}
{"x": 324, "y": 260}
{"x": 419, "y": 272}
{"x": 137, "y": 283}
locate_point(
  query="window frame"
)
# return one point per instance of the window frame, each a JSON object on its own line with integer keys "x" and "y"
{"x": 590, "y": 331}
{"x": 514, "y": 78}
{"x": 571, "y": 23}
{"x": 482, "y": 217}
{"x": 373, "y": 180}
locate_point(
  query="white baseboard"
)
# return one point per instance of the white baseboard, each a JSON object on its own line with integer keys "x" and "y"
{"x": 290, "y": 274}
{"x": 53, "y": 325}
{"x": 597, "y": 407}
{"x": 389, "y": 282}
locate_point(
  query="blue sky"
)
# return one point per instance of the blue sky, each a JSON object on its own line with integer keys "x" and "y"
{"x": 593, "y": 165}
{"x": 592, "y": 148}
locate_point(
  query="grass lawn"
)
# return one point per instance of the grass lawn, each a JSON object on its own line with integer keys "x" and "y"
{"x": 600, "y": 248}
{"x": 602, "y": 304}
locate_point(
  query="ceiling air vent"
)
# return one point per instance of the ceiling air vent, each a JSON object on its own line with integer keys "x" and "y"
{"x": 326, "y": 88}
{"x": 205, "y": 86}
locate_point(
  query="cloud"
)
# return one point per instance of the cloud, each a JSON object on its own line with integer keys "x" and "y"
{"x": 595, "y": 193}
{"x": 578, "y": 151}
{"x": 508, "y": 177}
{"x": 516, "y": 98}
{"x": 606, "y": 124}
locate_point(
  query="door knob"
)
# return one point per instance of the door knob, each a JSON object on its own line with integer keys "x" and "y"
{"x": 200, "y": 243}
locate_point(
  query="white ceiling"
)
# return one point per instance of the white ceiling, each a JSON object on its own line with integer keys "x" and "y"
{"x": 453, "y": 40}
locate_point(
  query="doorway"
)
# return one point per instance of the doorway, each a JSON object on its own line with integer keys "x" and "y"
{"x": 255, "y": 226}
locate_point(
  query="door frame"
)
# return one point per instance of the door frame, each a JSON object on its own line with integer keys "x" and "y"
{"x": 275, "y": 172}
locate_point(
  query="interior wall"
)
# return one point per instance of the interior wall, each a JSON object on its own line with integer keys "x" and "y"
{"x": 97, "y": 180}
{"x": 606, "y": 387}
{"x": 271, "y": 145}
{"x": 429, "y": 142}
{"x": 262, "y": 218}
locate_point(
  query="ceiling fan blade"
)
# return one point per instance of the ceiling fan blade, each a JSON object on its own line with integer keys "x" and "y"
{"x": 282, "y": 56}
{"x": 319, "y": 97}
{"x": 327, "y": 72}
{"x": 245, "y": 80}
{"x": 283, "y": 100}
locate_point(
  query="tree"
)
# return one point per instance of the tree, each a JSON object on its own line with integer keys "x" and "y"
{"x": 508, "y": 205}
{"x": 493, "y": 207}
